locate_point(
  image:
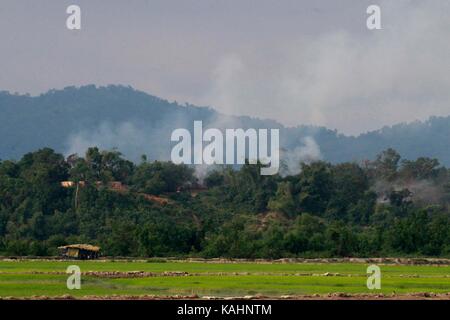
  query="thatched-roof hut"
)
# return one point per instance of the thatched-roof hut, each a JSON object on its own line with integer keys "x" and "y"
{"x": 80, "y": 251}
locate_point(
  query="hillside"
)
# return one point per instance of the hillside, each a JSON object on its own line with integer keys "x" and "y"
{"x": 389, "y": 208}
{"x": 72, "y": 119}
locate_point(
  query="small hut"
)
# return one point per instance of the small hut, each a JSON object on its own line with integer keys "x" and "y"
{"x": 80, "y": 251}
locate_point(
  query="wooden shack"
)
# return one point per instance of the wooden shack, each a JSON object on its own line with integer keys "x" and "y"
{"x": 80, "y": 251}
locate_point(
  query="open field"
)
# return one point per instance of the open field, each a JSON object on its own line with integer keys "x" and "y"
{"x": 32, "y": 278}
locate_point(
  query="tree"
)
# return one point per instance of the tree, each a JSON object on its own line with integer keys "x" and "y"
{"x": 214, "y": 179}
{"x": 316, "y": 186}
{"x": 386, "y": 164}
{"x": 283, "y": 201}
{"x": 422, "y": 168}
{"x": 350, "y": 184}
{"x": 159, "y": 177}
{"x": 43, "y": 167}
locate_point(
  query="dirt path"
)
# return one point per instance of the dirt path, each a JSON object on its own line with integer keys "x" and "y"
{"x": 331, "y": 296}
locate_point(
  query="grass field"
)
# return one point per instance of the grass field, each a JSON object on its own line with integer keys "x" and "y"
{"x": 28, "y": 278}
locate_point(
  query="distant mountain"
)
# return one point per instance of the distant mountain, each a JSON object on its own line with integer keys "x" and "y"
{"x": 137, "y": 123}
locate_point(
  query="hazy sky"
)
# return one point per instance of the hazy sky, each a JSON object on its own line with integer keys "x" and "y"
{"x": 299, "y": 62}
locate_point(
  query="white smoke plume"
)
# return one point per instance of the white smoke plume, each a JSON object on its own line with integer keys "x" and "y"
{"x": 307, "y": 152}
{"x": 352, "y": 81}
{"x": 422, "y": 191}
{"x": 125, "y": 137}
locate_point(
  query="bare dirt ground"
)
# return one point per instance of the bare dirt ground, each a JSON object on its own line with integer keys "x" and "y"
{"x": 332, "y": 296}
{"x": 388, "y": 260}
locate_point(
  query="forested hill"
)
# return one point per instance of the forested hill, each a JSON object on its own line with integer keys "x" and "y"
{"x": 72, "y": 119}
{"x": 387, "y": 207}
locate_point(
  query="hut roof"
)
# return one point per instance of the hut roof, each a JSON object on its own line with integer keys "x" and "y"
{"x": 81, "y": 246}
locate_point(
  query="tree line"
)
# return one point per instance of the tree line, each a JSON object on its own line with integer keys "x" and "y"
{"x": 387, "y": 206}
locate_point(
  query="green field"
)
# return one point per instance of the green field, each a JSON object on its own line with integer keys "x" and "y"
{"x": 47, "y": 278}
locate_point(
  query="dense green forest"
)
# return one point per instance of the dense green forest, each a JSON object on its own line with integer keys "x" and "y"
{"x": 387, "y": 206}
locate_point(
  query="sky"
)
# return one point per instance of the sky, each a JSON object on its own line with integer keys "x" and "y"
{"x": 298, "y": 62}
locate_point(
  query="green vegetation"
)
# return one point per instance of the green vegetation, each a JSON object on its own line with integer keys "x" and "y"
{"x": 386, "y": 207}
{"x": 25, "y": 266}
{"x": 46, "y": 278}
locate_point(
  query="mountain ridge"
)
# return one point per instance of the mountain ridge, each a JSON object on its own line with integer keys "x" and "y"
{"x": 135, "y": 122}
